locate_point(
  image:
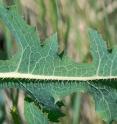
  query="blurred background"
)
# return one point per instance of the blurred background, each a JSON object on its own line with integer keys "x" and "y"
{"x": 71, "y": 19}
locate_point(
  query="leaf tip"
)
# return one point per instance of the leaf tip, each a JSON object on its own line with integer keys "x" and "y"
{"x": 60, "y": 54}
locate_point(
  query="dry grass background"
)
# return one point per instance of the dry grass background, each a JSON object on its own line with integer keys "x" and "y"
{"x": 70, "y": 19}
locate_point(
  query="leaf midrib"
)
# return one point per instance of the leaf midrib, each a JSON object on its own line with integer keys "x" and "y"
{"x": 16, "y": 75}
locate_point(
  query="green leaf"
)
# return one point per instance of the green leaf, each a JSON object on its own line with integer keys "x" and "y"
{"x": 33, "y": 114}
{"x": 47, "y": 76}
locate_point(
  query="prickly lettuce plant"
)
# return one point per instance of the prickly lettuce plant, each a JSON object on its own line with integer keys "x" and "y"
{"x": 47, "y": 76}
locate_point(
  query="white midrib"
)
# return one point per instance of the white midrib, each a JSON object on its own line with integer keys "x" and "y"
{"x": 15, "y": 75}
